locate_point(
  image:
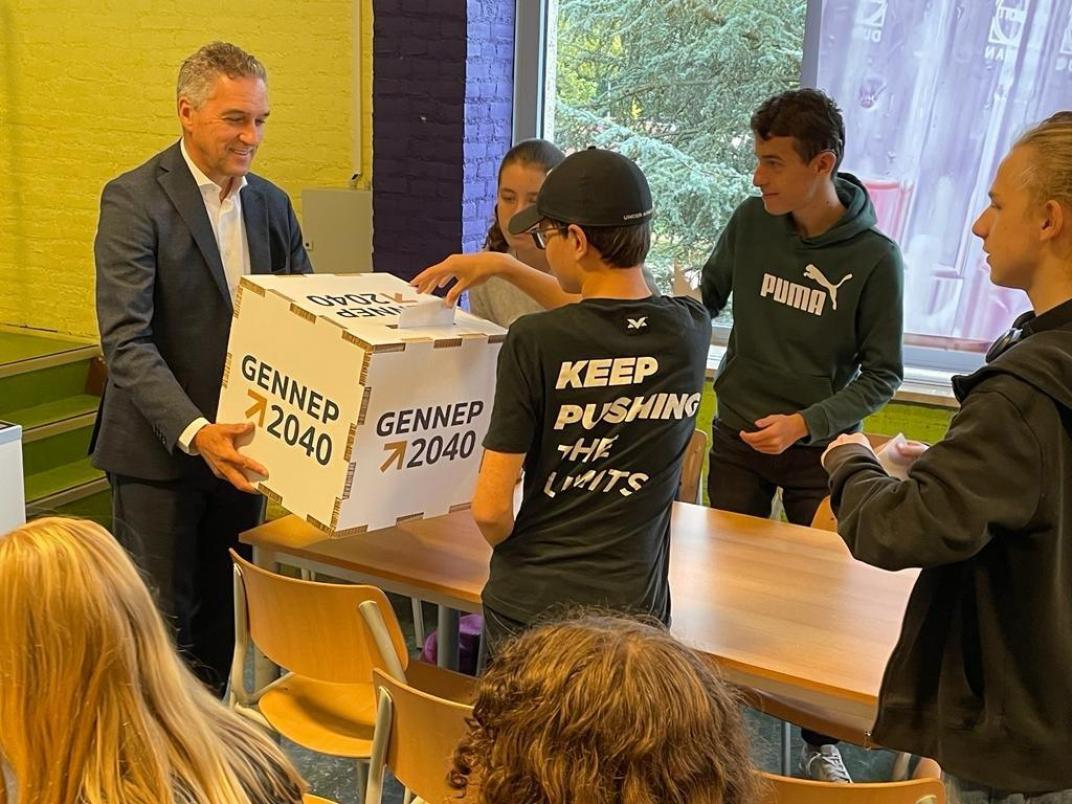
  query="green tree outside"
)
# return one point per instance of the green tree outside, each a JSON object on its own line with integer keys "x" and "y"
{"x": 672, "y": 84}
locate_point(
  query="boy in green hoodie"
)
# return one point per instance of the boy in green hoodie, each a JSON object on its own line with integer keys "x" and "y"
{"x": 979, "y": 678}
{"x": 817, "y": 322}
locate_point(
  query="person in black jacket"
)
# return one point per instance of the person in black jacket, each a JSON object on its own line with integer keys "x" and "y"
{"x": 979, "y": 679}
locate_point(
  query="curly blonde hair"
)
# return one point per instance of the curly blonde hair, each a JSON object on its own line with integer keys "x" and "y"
{"x": 600, "y": 708}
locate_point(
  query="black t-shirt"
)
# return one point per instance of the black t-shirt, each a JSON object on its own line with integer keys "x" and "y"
{"x": 601, "y": 396}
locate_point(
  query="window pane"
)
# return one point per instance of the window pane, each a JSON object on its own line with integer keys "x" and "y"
{"x": 934, "y": 94}
{"x": 672, "y": 85}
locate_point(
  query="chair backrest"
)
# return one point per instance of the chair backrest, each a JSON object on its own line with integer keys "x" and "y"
{"x": 824, "y": 518}
{"x": 692, "y": 468}
{"x": 423, "y": 731}
{"x": 783, "y": 790}
{"x": 315, "y": 629}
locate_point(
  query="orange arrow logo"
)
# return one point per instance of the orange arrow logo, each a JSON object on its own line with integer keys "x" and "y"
{"x": 260, "y": 405}
{"x": 398, "y": 454}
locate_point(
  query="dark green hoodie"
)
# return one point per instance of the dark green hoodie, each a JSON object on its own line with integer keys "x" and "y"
{"x": 817, "y": 321}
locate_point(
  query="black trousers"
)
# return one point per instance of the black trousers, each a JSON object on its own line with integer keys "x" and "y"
{"x": 178, "y": 533}
{"x": 744, "y": 481}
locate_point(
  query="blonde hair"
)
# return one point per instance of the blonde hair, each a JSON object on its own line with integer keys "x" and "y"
{"x": 603, "y": 709}
{"x": 95, "y": 704}
{"x": 200, "y": 70}
{"x": 1049, "y": 175}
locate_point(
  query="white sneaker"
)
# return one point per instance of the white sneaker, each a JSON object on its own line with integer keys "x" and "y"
{"x": 823, "y": 763}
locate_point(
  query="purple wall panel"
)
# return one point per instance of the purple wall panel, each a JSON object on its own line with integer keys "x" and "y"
{"x": 442, "y": 118}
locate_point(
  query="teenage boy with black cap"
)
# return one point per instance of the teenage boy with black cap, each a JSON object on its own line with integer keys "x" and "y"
{"x": 597, "y": 401}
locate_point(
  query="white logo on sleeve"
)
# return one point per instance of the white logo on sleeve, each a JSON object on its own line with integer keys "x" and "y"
{"x": 802, "y": 297}
{"x": 637, "y": 323}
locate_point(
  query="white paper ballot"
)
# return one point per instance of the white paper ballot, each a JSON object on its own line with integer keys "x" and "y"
{"x": 431, "y": 313}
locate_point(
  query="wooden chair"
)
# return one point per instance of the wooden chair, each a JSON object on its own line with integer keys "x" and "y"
{"x": 416, "y": 734}
{"x": 691, "y": 488}
{"x": 784, "y": 790}
{"x": 325, "y": 701}
{"x": 824, "y": 518}
{"x": 309, "y": 798}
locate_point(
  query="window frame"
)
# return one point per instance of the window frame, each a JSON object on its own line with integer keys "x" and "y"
{"x": 530, "y": 55}
{"x": 531, "y": 23}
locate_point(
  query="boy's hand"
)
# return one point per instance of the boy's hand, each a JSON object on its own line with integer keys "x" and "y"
{"x": 776, "y": 433}
{"x": 469, "y": 270}
{"x": 909, "y": 451}
{"x": 898, "y": 455}
{"x": 842, "y": 440}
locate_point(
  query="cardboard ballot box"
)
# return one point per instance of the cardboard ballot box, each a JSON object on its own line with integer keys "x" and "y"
{"x": 364, "y": 417}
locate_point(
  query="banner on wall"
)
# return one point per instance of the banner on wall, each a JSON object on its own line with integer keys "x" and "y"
{"x": 369, "y": 400}
{"x": 934, "y": 94}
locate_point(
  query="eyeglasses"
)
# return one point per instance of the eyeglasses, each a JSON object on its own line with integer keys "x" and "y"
{"x": 539, "y": 236}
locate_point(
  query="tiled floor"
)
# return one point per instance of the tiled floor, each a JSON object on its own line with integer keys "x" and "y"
{"x": 336, "y": 779}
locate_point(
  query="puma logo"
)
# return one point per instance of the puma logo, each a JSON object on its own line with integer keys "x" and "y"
{"x": 636, "y": 323}
{"x": 814, "y": 274}
{"x": 802, "y": 297}
{"x": 810, "y": 300}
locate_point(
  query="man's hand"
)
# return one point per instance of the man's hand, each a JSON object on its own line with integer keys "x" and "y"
{"x": 776, "y": 433}
{"x": 842, "y": 440}
{"x": 469, "y": 270}
{"x": 216, "y": 444}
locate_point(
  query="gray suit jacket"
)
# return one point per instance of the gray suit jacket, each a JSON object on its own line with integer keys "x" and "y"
{"x": 164, "y": 310}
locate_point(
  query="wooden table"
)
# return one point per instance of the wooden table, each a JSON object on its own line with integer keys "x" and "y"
{"x": 782, "y": 609}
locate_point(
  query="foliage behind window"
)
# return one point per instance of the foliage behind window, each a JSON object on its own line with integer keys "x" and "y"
{"x": 672, "y": 84}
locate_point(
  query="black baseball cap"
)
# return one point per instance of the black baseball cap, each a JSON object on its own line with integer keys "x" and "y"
{"x": 590, "y": 188}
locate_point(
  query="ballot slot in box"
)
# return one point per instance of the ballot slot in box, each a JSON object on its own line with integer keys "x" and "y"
{"x": 369, "y": 401}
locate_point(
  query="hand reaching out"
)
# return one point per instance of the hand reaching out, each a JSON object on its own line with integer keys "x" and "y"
{"x": 466, "y": 270}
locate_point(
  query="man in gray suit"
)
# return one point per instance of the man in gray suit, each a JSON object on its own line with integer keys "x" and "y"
{"x": 175, "y": 236}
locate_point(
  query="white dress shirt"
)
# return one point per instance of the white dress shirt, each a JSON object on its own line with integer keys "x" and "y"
{"x": 229, "y": 229}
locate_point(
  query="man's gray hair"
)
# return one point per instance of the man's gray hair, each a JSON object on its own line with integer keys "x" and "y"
{"x": 199, "y": 72}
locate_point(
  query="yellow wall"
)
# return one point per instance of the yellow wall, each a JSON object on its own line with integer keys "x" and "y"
{"x": 87, "y": 91}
